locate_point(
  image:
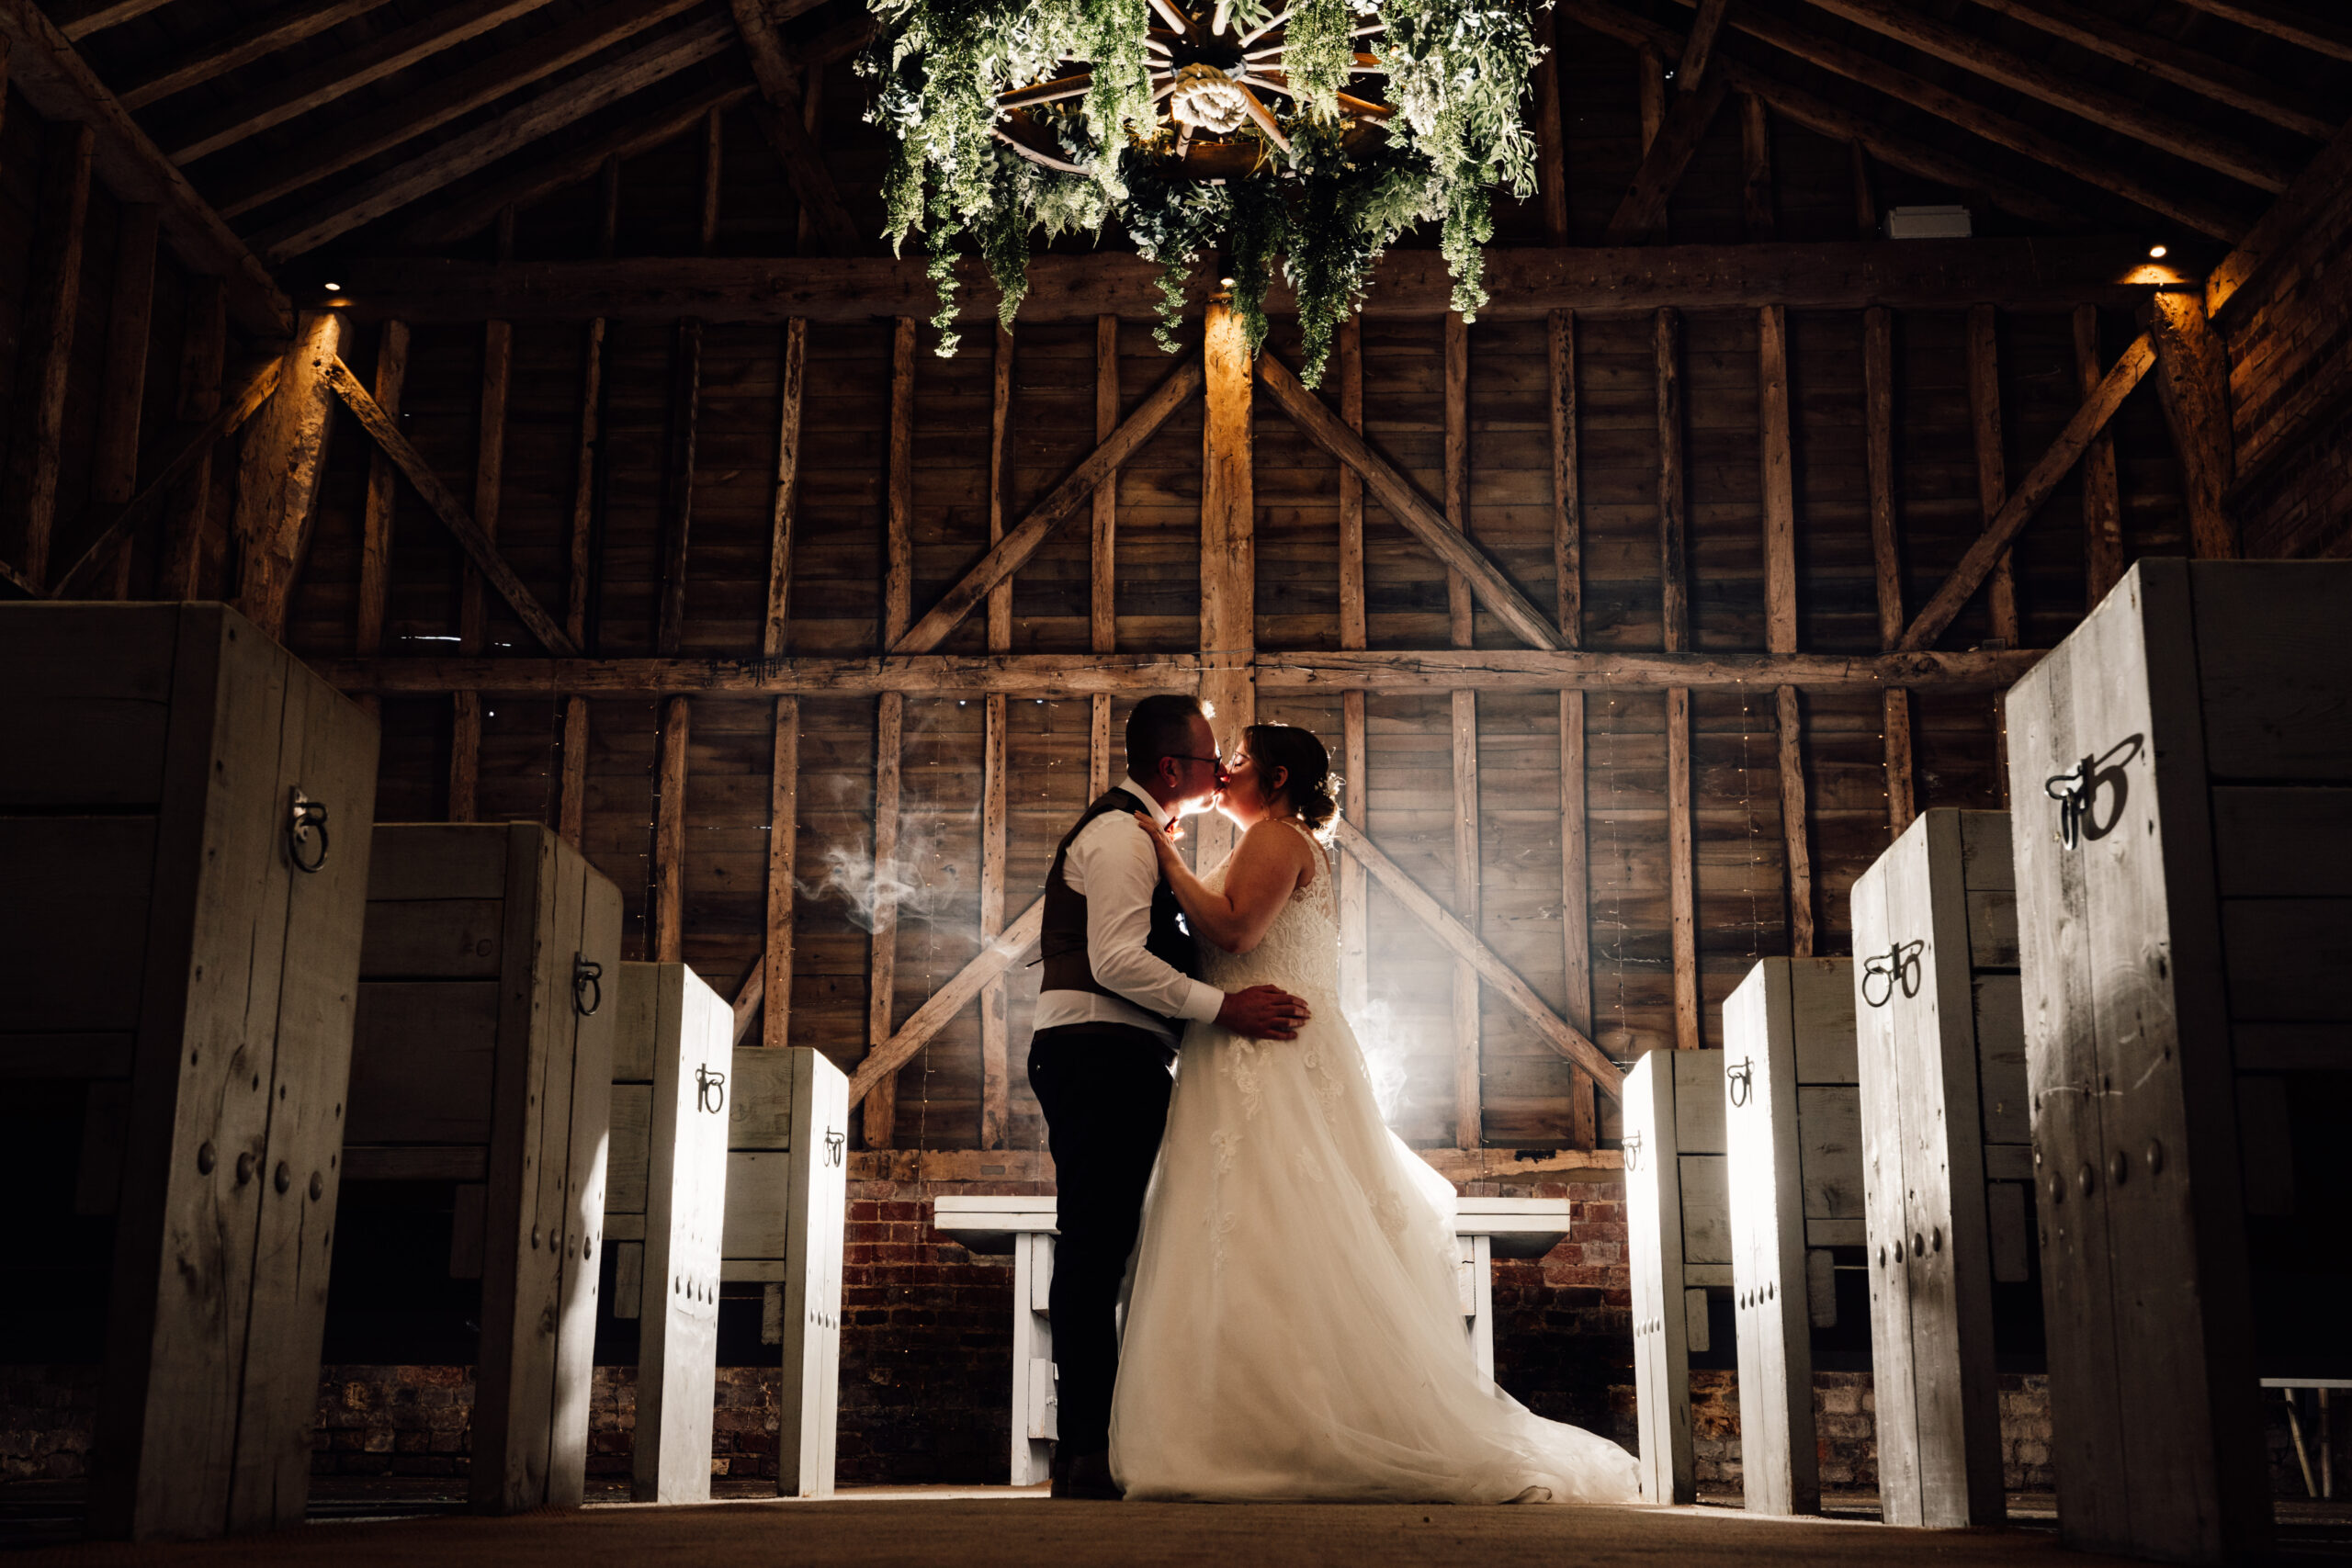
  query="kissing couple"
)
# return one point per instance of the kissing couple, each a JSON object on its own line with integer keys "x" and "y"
{"x": 1295, "y": 1330}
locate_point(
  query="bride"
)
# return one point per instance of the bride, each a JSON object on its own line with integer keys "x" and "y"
{"x": 1295, "y": 1329}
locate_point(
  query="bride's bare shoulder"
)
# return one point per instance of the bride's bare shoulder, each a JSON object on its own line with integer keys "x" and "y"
{"x": 1279, "y": 838}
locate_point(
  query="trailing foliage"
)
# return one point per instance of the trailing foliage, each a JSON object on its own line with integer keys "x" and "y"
{"x": 1454, "y": 72}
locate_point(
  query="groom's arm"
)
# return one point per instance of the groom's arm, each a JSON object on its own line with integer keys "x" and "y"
{"x": 1113, "y": 865}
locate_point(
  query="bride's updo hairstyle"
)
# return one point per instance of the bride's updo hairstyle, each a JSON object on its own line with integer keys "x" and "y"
{"x": 1309, "y": 784}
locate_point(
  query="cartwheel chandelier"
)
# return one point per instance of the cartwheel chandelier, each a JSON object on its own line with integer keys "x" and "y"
{"x": 1308, "y": 134}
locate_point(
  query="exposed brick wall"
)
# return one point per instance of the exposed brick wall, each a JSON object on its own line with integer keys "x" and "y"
{"x": 1845, "y": 1415}
{"x": 46, "y": 1417}
{"x": 2302, "y": 509}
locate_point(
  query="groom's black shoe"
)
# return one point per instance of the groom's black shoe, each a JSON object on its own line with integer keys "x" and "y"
{"x": 1085, "y": 1476}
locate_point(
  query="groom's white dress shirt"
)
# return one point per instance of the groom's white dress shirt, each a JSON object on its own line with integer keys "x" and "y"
{"x": 1113, "y": 867}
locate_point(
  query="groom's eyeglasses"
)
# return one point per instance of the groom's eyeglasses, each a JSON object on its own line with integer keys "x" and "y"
{"x": 1216, "y": 763}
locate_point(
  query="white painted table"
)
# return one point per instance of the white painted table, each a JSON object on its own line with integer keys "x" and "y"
{"x": 1487, "y": 1228}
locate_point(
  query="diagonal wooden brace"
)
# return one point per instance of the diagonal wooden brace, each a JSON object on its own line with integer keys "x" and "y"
{"x": 945, "y": 1002}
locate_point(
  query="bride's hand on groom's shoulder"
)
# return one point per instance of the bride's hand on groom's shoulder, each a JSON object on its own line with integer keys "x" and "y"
{"x": 1163, "y": 840}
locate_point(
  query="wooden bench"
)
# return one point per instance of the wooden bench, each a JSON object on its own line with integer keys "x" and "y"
{"x": 788, "y": 1198}
{"x": 1793, "y": 1174}
{"x": 665, "y": 1201}
{"x": 1950, "y": 1172}
{"x": 1678, "y": 1248}
{"x": 183, "y": 852}
{"x": 482, "y": 1066}
{"x": 2182, "y": 766}
{"x": 1485, "y": 1229}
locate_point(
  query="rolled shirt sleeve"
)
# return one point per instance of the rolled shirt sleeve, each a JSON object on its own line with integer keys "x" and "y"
{"x": 1116, "y": 870}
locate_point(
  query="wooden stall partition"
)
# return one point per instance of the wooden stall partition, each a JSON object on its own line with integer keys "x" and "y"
{"x": 183, "y": 866}
{"x": 1794, "y": 1170}
{"x": 483, "y": 1062}
{"x": 2183, "y": 766}
{"x": 664, "y": 1207}
{"x": 1949, "y": 1171}
{"x": 787, "y": 1196}
{"x": 1678, "y": 1228}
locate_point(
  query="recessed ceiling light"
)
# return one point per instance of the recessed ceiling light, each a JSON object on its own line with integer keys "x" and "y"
{"x": 334, "y": 288}
{"x": 2155, "y": 252}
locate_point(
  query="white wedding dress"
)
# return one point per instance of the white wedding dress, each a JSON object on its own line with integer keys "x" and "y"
{"x": 1295, "y": 1329}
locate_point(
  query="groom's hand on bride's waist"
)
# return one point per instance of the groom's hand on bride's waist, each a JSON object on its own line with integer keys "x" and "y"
{"x": 1264, "y": 1012}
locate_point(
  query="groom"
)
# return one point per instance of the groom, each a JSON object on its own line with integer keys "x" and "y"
{"x": 1120, "y": 980}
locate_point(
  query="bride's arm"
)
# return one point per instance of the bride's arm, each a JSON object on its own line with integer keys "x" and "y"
{"x": 1258, "y": 882}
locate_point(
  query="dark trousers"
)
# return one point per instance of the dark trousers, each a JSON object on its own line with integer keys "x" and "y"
{"x": 1104, "y": 1089}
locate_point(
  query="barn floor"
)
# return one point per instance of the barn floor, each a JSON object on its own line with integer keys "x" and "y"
{"x": 977, "y": 1527}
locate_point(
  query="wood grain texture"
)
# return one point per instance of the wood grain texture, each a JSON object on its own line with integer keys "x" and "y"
{"x": 1673, "y": 515}
{"x": 1550, "y": 130}
{"x": 1642, "y": 213}
{"x": 1758, "y": 219}
{"x": 995, "y": 1091}
{"x": 2192, "y": 385}
{"x": 278, "y": 29}
{"x": 678, "y": 484}
{"x": 1000, "y": 600}
{"x": 783, "y": 839}
{"x": 376, "y": 515}
{"x": 204, "y": 338}
{"x": 277, "y": 480}
{"x": 882, "y": 1097}
{"x": 1683, "y": 897}
{"x": 47, "y": 355}
{"x": 1777, "y": 480}
{"x": 465, "y": 757}
{"x": 1103, "y": 546}
{"x": 1991, "y": 465}
{"x": 581, "y": 536}
{"x": 1796, "y": 819}
{"x": 2201, "y": 71}
{"x": 123, "y": 391}
{"x": 2102, "y": 497}
{"x": 571, "y": 786}
{"x": 669, "y": 833}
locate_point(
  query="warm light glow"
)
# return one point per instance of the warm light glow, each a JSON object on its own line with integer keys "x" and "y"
{"x": 1224, "y": 283}
{"x": 334, "y": 288}
{"x": 2155, "y": 252}
{"x": 1208, "y": 710}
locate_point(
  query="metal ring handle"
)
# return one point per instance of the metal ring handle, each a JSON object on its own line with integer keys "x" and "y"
{"x": 307, "y": 817}
{"x": 1741, "y": 1081}
{"x": 587, "y": 985}
{"x": 710, "y": 1090}
{"x": 1633, "y": 1150}
{"x": 1898, "y": 966}
{"x": 836, "y": 1142}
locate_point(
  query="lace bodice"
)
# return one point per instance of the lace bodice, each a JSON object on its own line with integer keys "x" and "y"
{"x": 1300, "y": 952}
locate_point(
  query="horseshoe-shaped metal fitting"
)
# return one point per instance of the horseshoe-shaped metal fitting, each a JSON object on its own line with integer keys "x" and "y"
{"x": 836, "y": 1142}
{"x": 1742, "y": 1081}
{"x": 710, "y": 1090}
{"x": 308, "y": 817}
{"x": 2076, "y": 791}
{"x": 1897, "y": 966}
{"x": 1632, "y": 1151}
{"x": 587, "y": 985}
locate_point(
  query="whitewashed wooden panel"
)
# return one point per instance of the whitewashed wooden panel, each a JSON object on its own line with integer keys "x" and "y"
{"x": 1660, "y": 1273}
{"x": 1706, "y": 1209}
{"x": 632, "y": 1157}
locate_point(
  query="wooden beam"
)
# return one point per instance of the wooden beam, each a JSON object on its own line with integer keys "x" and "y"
{"x": 882, "y": 1063}
{"x": 2297, "y": 28}
{"x": 1469, "y": 1093}
{"x": 1681, "y": 877}
{"x": 1355, "y": 762}
{"x": 1228, "y": 546}
{"x": 785, "y": 496}
{"x": 2049, "y": 274}
{"x": 898, "y": 559}
{"x": 1000, "y": 599}
{"x": 1977, "y": 563}
{"x": 194, "y": 458}
{"x": 995, "y": 748}
{"x": 1083, "y": 674}
{"x": 1779, "y": 484}
{"x": 79, "y": 21}
{"x": 1796, "y": 819}
{"x": 881, "y": 1103}
{"x": 1642, "y": 213}
{"x": 668, "y": 924}
{"x": 543, "y": 177}
{"x": 59, "y": 85}
{"x": 465, "y": 756}
{"x": 1406, "y": 505}
{"x": 1865, "y": 203}
{"x": 1568, "y": 566}
{"x": 780, "y": 120}
{"x": 1649, "y": 84}
{"x": 2289, "y": 219}
{"x": 1569, "y": 1042}
{"x": 453, "y": 159}
{"x": 572, "y": 785}
{"x": 46, "y": 354}
{"x": 277, "y": 478}
{"x": 204, "y": 339}
{"x": 368, "y": 135}
{"x": 340, "y": 74}
{"x": 2069, "y": 91}
{"x": 580, "y": 568}
{"x": 123, "y": 388}
{"x": 1023, "y": 541}
{"x": 1878, "y": 462}
{"x": 1756, "y": 217}
{"x": 783, "y": 839}
{"x": 376, "y": 511}
{"x": 1102, "y": 554}
{"x": 1698, "y": 49}
{"x": 2193, "y": 384}
{"x": 2102, "y": 499}
{"x": 277, "y": 29}
{"x": 678, "y": 485}
{"x": 1992, "y": 465}
{"x": 1673, "y": 519}
{"x": 2099, "y": 174}
{"x": 1859, "y": 131}
{"x": 490, "y": 473}
{"x": 1551, "y": 131}
{"x": 2265, "y": 97}
{"x": 446, "y": 507}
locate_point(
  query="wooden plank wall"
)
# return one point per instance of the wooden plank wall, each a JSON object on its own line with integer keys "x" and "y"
{"x": 837, "y": 566}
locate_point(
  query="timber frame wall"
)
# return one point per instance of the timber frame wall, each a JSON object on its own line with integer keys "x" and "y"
{"x": 634, "y": 574}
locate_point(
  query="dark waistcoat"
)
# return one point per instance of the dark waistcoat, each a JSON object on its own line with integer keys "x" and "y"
{"x": 1062, "y": 933}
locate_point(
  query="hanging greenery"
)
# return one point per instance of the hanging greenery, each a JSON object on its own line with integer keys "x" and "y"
{"x": 1308, "y": 136}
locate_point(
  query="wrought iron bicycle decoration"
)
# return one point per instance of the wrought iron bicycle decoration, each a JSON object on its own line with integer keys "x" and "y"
{"x": 307, "y": 817}
{"x": 1898, "y": 966}
{"x": 2078, "y": 791}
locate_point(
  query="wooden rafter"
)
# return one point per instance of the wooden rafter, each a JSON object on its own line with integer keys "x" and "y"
{"x": 324, "y": 84}
{"x": 1059, "y": 506}
{"x": 1527, "y": 284}
{"x": 1917, "y": 92}
{"x": 2302, "y": 30}
{"x": 779, "y": 77}
{"x": 45, "y": 68}
{"x": 79, "y": 21}
{"x": 286, "y": 26}
{"x": 1979, "y": 562}
{"x": 366, "y": 135}
{"x": 1082, "y": 674}
{"x": 1642, "y": 211}
{"x": 2113, "y": 111}
{"x": 450, "y": 161}
{"x": 387, "y": 434}
{"x": 1464, "y": 944}
{"x": 1406, "y": 503}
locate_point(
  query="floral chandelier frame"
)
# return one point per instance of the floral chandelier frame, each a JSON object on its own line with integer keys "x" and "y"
{"x": 1310, "y": 134}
